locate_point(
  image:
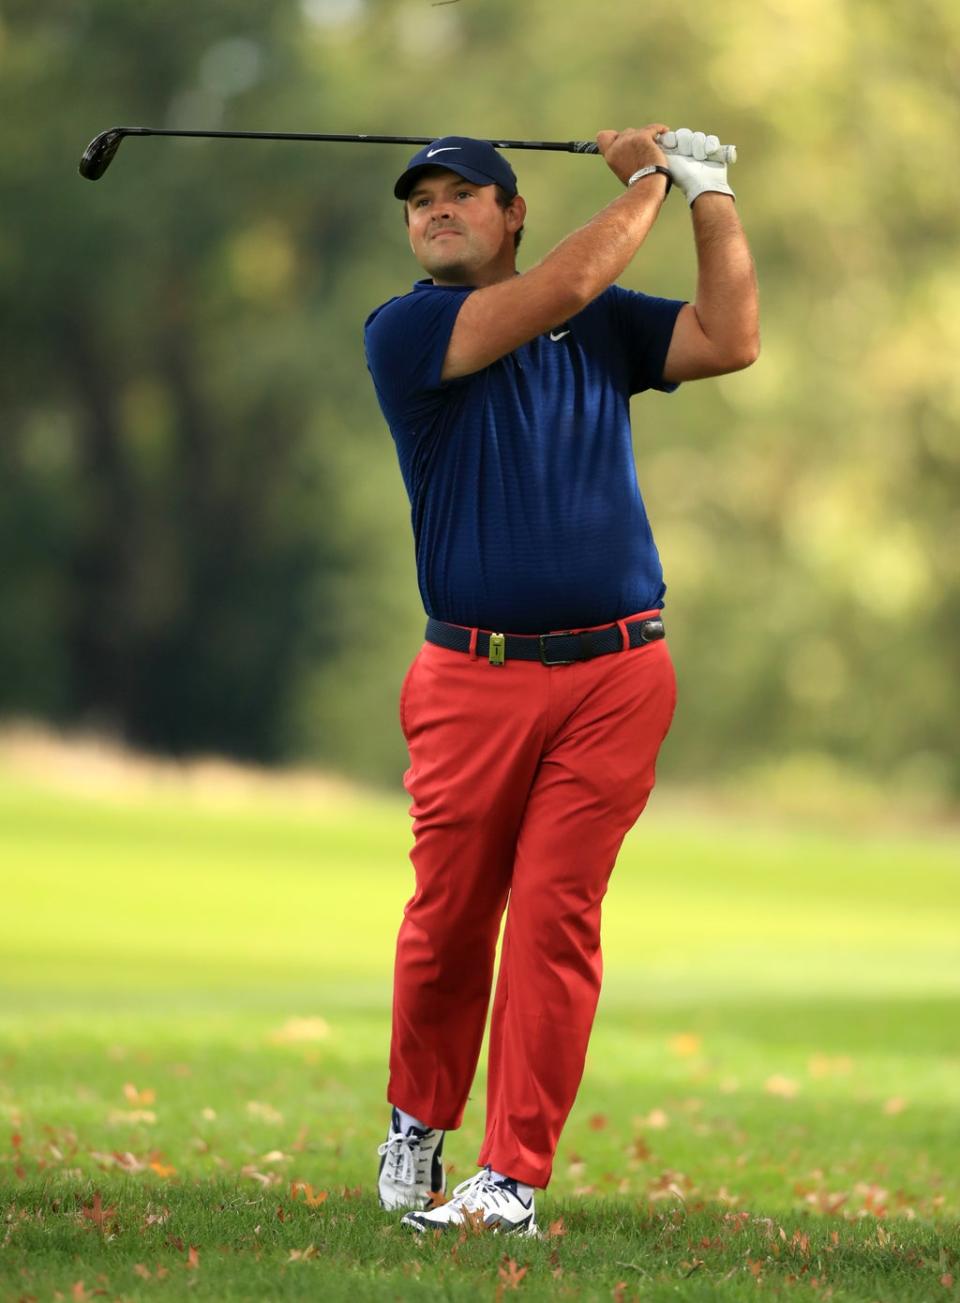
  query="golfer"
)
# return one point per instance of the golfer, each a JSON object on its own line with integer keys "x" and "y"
{"x": 535, "y": 709}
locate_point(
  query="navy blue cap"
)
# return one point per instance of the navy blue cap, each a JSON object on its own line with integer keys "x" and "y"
{"x": 474, "y": 160}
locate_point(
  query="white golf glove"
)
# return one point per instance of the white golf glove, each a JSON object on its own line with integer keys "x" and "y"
{"x": 696, "y": 162}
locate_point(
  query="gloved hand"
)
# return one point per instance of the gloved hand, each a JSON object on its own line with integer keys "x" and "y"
{"x": 691, "y": 167}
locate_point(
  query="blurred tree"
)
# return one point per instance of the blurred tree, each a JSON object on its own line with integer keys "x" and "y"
{"x": 205, "y": 542}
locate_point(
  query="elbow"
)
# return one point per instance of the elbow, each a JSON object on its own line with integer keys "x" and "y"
{"x": 744, "y": 355}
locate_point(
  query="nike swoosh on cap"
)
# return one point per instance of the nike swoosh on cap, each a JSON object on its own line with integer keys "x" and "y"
{"x": 442, "y": 150}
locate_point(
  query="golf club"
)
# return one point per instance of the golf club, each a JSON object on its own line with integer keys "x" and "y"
{"x": 99, "y": 154}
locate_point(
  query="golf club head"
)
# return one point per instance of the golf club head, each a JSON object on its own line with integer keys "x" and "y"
{"x": 98, "y": 155}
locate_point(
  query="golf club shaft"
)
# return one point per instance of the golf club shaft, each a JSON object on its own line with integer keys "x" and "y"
{"x": 99, "y": 153}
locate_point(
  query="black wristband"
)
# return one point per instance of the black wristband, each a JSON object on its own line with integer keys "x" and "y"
{"x": 648, "y": 171}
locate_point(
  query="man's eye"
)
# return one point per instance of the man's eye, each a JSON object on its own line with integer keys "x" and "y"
{"x": 461, "y": 193}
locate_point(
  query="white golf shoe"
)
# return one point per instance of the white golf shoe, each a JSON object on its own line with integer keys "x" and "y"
{"x": 411, "y": 1167}
{"x": 483, "y": 1203}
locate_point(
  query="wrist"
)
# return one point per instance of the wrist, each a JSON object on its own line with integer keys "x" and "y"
{"x": 650, "y": 170}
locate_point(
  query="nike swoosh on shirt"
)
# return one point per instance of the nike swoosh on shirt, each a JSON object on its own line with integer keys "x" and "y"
{"x": 558, "y": 334}
{"x": 444, "y": 149}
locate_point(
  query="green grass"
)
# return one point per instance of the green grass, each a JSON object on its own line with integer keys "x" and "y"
{"x": 772, "y": 1097}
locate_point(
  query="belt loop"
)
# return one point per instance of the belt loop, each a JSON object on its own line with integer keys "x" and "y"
{"x": 624, "y": 634}
{"x": 473, "y": 644}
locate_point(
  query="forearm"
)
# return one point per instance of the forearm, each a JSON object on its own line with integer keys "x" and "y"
{"x": 499, "y": 318}
{"x": 591, "y": 258}
{"x": 727, "y": 304}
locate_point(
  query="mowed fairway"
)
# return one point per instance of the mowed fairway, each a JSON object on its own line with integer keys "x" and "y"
{"x": 194, "y": 1023}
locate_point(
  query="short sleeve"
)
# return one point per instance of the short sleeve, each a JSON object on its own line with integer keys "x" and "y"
{"x": 646, "y": 327}
{"x": 406, "y": 342}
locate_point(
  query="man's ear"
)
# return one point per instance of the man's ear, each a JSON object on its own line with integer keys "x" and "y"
{"x": 516, "y": 213}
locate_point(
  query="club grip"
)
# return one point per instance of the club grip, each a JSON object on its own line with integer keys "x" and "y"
{"x": 725, "y": 154}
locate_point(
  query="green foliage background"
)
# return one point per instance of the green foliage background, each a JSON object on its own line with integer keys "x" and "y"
{"x": 204, "y": 540}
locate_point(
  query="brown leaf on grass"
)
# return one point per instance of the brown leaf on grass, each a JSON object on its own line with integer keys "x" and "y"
{"x": 598, "y": 1121}
{"x": 193, "y": 1258}
{"x": 825, "y": 1065}
{"x": 556, "y": 1230}
{"x": 265, "y": 1178}
{"x": 874, "y": 1198}
{"x": 142, "y": 1271}
{"x": 436, "y": 1199}
{"x": 685, "y": 1044}
{"x": 78, "y": 1291}
{"x": 946, "y": 1280}
{"x": 263, "y": 1112}
{"x": 352, "y": 1192}
{"x": 826, "y": 1202}
{"x": 296, "y": 1031}
{"x": 162, "y": 1169}
{"x": 96, "y": 1213}
{"x": 756, "y": 1266}
{"x": 619, "y": 1291}
{"x": 785, "y": 1087}
{"x": 304, "y": 1255}
{"x": 510, "y": 1274}
{"x": 305, "y": 1191}
{"x": 152, "y": 1218}
{"x": 894, "y": 1106}
{"x": 139, "y": 1097}
{"x": 131, "y": 1117}
{"x": 639, "y": 1150}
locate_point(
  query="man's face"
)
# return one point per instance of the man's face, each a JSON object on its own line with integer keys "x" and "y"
{"x": 458, "y": 231}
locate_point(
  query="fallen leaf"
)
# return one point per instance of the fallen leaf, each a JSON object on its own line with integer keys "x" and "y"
{"x": 134, "y": 1096}
{"x": 162, "y": 1169}
{"x": 656, "y": 1119}
{"x": 142, "y": 1271}
{"x": 556, "y": 1229}
{"x": 193, "y": 1258}
{"x": 275, "y": 1156}
{"x": 265, "y": 1112}
{"x": 685, "y": 1044}
{"x": 825, "y": 1065}
{"x": 510, "y": 1274}
{"x": 78, "y": 1291}
{"x": 132, "y": 1116}
{"x": 894, "y": 1106}
{"x": 598, "y": 1121}
{"x": 265, "y": 1178}
{"x": 785, "y": 1087}
{"x": 639, "y": 1150}
{"x": 303, "y": 1255}
{"x": 97, "y": 1214}
{"x": 297, "y": 1030}
{"x": 312, "y": 1198}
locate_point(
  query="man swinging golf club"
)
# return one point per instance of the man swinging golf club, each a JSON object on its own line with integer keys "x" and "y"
{"x": 535, "y": 709}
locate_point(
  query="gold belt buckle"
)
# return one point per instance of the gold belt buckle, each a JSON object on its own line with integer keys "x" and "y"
{"x": 498, "y": 649}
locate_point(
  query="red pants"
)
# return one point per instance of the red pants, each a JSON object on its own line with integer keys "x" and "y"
{"x": 525, "y": 780}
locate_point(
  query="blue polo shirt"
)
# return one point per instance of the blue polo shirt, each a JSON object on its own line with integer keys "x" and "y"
{"x": 526, "y": 511}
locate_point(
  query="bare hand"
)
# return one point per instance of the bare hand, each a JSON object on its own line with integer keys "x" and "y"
{"x": 627, "y": 151}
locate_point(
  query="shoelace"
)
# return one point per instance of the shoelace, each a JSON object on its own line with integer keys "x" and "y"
{"x": 405, "y": 1159}
{"x": 478, "y": 1189}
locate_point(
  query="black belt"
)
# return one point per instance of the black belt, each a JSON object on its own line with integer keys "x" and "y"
{"x": 550, "y": 648}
